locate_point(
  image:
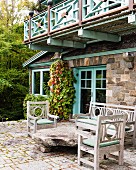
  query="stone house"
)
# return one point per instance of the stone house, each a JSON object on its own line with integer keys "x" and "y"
{"x": 97, "y": 39}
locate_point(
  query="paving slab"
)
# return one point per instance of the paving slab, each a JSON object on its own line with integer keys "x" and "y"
{"x": 63, "y": 135}
{"x": 18, "y": 152}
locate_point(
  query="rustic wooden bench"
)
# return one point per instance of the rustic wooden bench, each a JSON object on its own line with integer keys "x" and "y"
{"x": 38, "y": 116}
{"x": 98, "y": 139}
{"x": 105, "y": 109}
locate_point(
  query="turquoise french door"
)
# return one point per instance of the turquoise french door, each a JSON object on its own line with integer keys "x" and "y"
{"x": 90, "y": 86}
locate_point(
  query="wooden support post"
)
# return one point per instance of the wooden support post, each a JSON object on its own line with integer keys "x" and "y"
{"x": 49, "y": 20}
{"x": 80, "y": 12}
{"x": 31, "y": 13}
{"x": 131, "y": 5}
{"x": 29, "y": 28}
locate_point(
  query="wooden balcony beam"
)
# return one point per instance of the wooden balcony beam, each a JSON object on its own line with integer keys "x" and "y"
{"x": 45, "y": 48}
{"x": 65, "y": 43}
{"x": 98, "y": 35}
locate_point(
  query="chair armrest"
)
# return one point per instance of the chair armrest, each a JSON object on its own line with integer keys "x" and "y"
{"x": 53, "y": 116}
{"x": 33, "y": 117}
{"x": 84, "y": 134}
{"x": 87, "y": 115}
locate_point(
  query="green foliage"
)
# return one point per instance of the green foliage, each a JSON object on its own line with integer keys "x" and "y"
{"x": 4, "y": 84}
{"x": 62, "y": 90}
{"x": 13, "y": 77}
{"x": 13, "y": 88}
{"x": 12, "y": 52}
{"x": 32, "y": 97}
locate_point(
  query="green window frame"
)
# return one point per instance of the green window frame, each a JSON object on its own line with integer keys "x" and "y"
{"x": 40, "y": 77}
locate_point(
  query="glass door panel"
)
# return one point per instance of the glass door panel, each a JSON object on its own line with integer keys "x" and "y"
{"x": 91, "y": 86}
{"x": 100, "y": 96}
{"x": 85, "y": 100}
{"x": 85, "y": 90}
{"x": 100, "y": 89}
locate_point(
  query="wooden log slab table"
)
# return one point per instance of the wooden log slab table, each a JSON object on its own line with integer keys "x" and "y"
{"x": 63, "y": 135}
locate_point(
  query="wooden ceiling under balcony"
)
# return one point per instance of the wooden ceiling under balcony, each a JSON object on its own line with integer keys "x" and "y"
{"x": 108, "y": 26}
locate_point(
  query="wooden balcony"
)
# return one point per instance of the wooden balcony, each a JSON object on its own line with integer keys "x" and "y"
{"x": 76, "y": 23}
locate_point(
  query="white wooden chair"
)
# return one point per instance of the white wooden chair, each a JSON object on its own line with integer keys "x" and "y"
{"x": 106, "y": 109}
{"x": 102, "y": 138}
{"x": 38, "y": 116}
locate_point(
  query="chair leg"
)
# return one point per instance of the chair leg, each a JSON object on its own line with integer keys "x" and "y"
{"x": 79, "y": 149}
{"x": 55, "y": 123}
{"x": 35, "y": 127}
{"x": 96, "y": 160}
{"x": 28, "y": 130}
{"x": 121, "y": 155}
{"x": 28, "y": 127}
{"x": 134, "y": 138}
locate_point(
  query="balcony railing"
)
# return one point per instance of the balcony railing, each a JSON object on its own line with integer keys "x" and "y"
{"x": 70, "y": 13}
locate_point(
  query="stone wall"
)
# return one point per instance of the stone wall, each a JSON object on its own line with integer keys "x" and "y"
{"x": 121, "y": 76}
{"x": 121, "y": 79}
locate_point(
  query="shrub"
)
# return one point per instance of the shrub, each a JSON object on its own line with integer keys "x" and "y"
{"x": 61, "y": 97}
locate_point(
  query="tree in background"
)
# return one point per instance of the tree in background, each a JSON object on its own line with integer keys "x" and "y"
{"x": 13, "y": 78}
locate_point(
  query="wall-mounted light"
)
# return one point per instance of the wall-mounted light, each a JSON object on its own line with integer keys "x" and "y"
{"x": 50, "y": 2}
{"x": 31, "y": 13}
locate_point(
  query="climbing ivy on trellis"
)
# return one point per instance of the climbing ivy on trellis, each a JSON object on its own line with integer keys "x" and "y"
{"x": 62, "y": 89}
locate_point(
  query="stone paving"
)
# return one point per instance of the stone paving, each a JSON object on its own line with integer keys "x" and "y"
{"x": 18, "y": 152}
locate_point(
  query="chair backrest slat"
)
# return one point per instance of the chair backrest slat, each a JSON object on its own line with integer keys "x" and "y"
{"x": 105, "y": 109}
{"x": 38, "y": 109}
{"x": 110, "y": 128}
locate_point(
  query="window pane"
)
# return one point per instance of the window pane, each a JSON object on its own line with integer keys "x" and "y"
{"x": 85, "y": 100}
{"x": 104, "y": 83}
{"x": 104, "y": 73}
{"x": 89, "y": 74}
{"x": 82, "y": 83}
{"x": 98, "y": 83}
{"x": 101, "y": 96}
{"x": 46, "y": 77}
{"x": 88, "y": 83}
{"x": 83, "y": 75}
{"x": 37, "y": 83}
{"x": 98, "y": 74}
